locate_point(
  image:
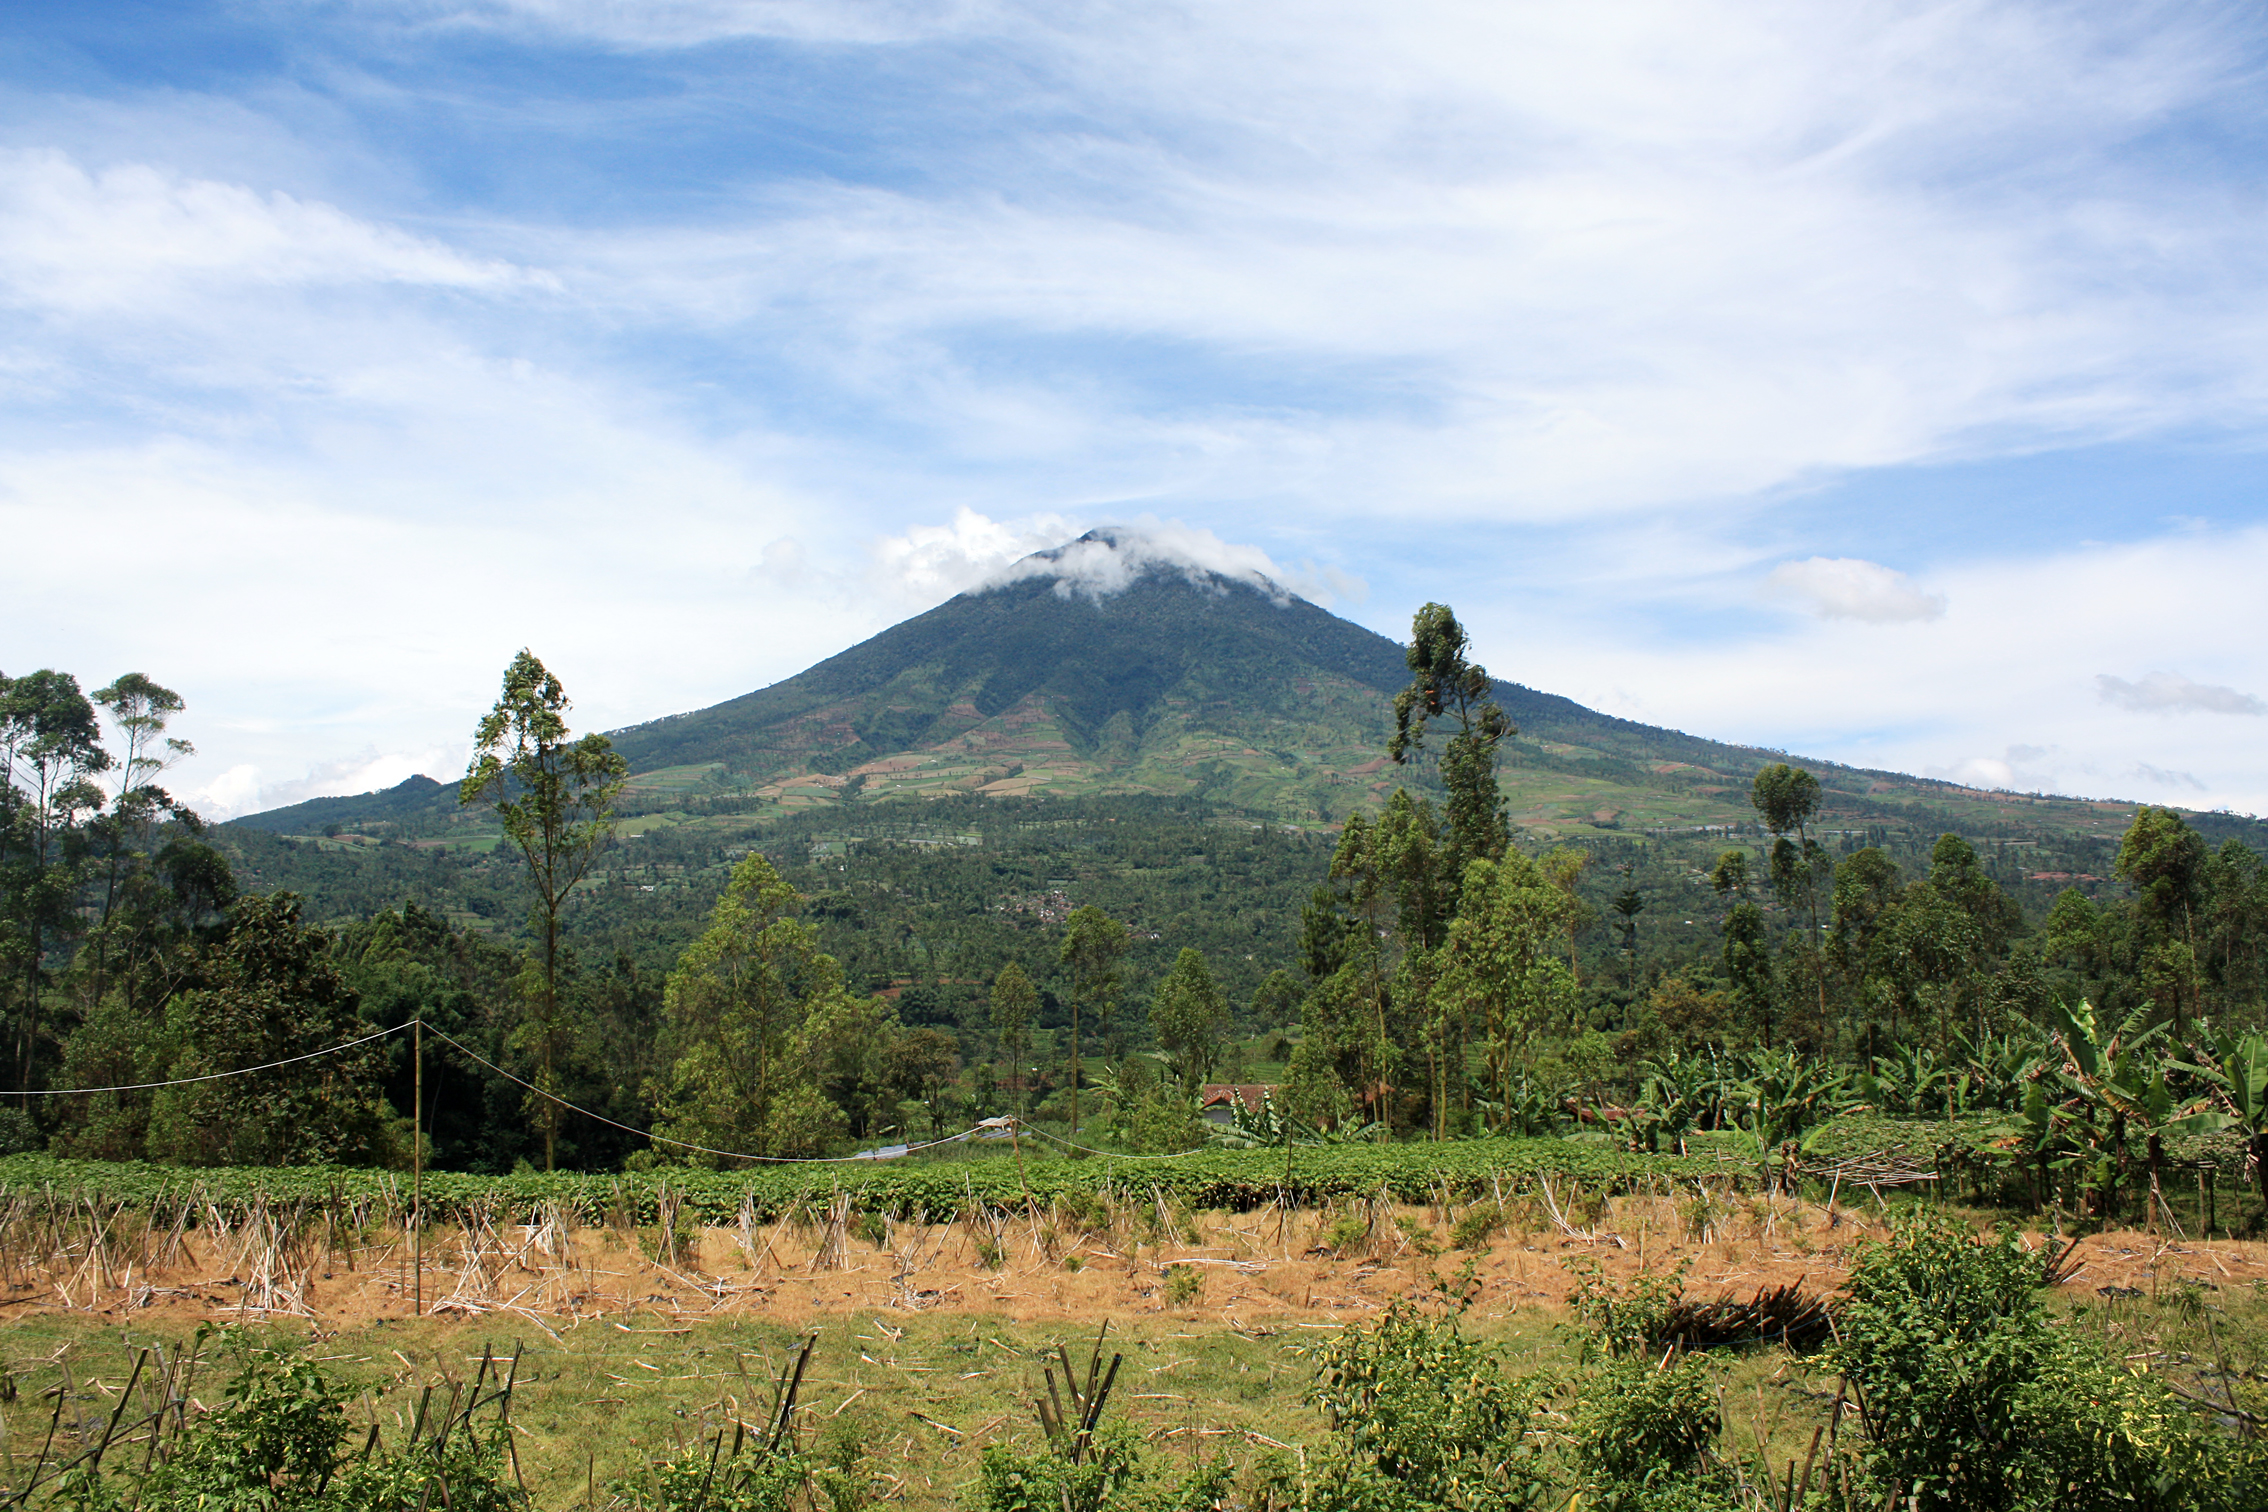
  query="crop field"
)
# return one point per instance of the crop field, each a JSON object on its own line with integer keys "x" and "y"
{"x": 643, "y": 1315}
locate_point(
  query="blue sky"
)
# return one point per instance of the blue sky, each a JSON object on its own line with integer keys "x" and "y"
{"x": 1884, "y": 382}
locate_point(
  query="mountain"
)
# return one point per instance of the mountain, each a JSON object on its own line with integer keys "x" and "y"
{"x": 1117, "y": 664}
{"x": 1110, "y": 665}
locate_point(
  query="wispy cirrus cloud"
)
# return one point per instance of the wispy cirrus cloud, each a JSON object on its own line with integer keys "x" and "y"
{"x": 76, "y": 238}
{"x": 760, "y": 323}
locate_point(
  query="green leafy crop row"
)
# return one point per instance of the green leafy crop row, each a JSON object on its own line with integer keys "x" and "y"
{"x": 934, "y": 1191}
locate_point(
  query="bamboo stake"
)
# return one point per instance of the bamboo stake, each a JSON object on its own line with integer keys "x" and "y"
{"x": 417, "y": 1168}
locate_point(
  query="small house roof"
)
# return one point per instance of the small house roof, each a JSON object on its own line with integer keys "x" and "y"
{"x": 1247, "y": 1095}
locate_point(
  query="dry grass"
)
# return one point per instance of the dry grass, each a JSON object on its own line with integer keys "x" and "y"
{"x": 932, "y": 1335}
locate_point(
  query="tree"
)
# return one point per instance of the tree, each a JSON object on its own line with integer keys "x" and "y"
{"x": 139, "y": 710}
{"x": 1015, "y": 1003}
{"x": 1748, "y": 966}
{"x": 1446, "y": 683}
{"x": 1865, "y": 889}
{"x": 1565, "y": 867}
{"x": 555, "y": 796}
{"x": 1785, "y": 798}
{"x": 1360, "y": 865}
{"x": 1188, "y": 1016}
{"x": 52, "y": 746}
{"x": 2234, "y": 923}
{"x": 1500, "y": 965}
{"x": 1628, "y": 905}
{"x": 272, "y": 990}
{"x": 2166, "y": 861}
{"x": 742, "y": 1018}
{"x": 1093, "y": 944}
{"x": 1276, "y": 1002}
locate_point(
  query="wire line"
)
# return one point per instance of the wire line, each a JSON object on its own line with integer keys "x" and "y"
{"x": 190, "y": 1081}
{"x": 686, "y": 1144}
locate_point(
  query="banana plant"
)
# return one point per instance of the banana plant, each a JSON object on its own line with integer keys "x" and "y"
{"x": 1270, "y": 1127}
{"x": 2237, "y": 1070}
{"x": 1525, "y": 1110}
{"x": 2001, "y": 1069}
{"x": 1782, "y": 1103}
{"x": 1680, "y": 1093}
{"x": 1781, "y": 1094}
{"x": 2039, "y": 1139}
{"x": 1908, "y": 1080}
{"x": 2122, "y": 1092}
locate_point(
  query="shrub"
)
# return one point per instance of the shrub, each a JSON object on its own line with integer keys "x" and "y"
{"x": 1623, "y": 1318}
{"x": 1942, "y": 1335}
{"x": 1184, "y": 1286}
{"x": 1046, "y": 1481}
{"x": 1476, "y": 1226}
{"x": 1428, "y": 1417}
{"x": 277, "y": 1444}
{"x": 1348, "y": 1230}
{"x": 699, "y": 1479}
{"x": 1972, "y": 1401}
{"x": 1642, "y": 1424}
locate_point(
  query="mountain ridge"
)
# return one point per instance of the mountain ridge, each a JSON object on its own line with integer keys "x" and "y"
{"x": 1114, "y": 664}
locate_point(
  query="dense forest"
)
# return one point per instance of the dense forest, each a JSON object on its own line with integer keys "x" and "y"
{"x": 702, "y": 978}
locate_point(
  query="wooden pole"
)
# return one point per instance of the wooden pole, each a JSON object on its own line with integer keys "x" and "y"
{"x": 417, "y": 1169}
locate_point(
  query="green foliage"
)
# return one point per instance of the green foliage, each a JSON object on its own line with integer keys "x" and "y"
{"x": 280, "y": 1442}
{"x": 1942, "y": 1335}
{"x": 1642, "y": 1424}
{"x": 920, "y": 1191}
{"x": 1621, "y": 1319}
{"x": 707, "y": 1478}
{"x": 555, "y": 799}
{"x": 1972, "y": 1401}
{"x": 1477, "y": 1225}
{"x": 1428, "y": 1417}
{"x": 1011, "y": 1480}
{"x": 754, "y": 1017}
{"x": 1188, "y": 1017}
{"x": 272, "y": 989}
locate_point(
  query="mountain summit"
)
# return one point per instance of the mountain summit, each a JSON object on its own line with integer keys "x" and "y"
{"x": 1129, "y": 662}
{"x": 1115, "y": 662}
{"x": 1110, "y": 559}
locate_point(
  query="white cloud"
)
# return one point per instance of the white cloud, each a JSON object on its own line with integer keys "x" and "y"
{"x": 2172, "y": 693}
{"x": 1554, "y": 262}
{"x": 134, "y": 234}
{"x": 930, "y": 563}
{"x": 1110, "y": 559}
{"x": 926, "y": 564}
{"x": 1995, "y": 692}
{"x": 1343, "y": 274}
{"x": 1851, "y": 588}
{"x": 2018, "y": 770}
{"x": 1977, "y": 771}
